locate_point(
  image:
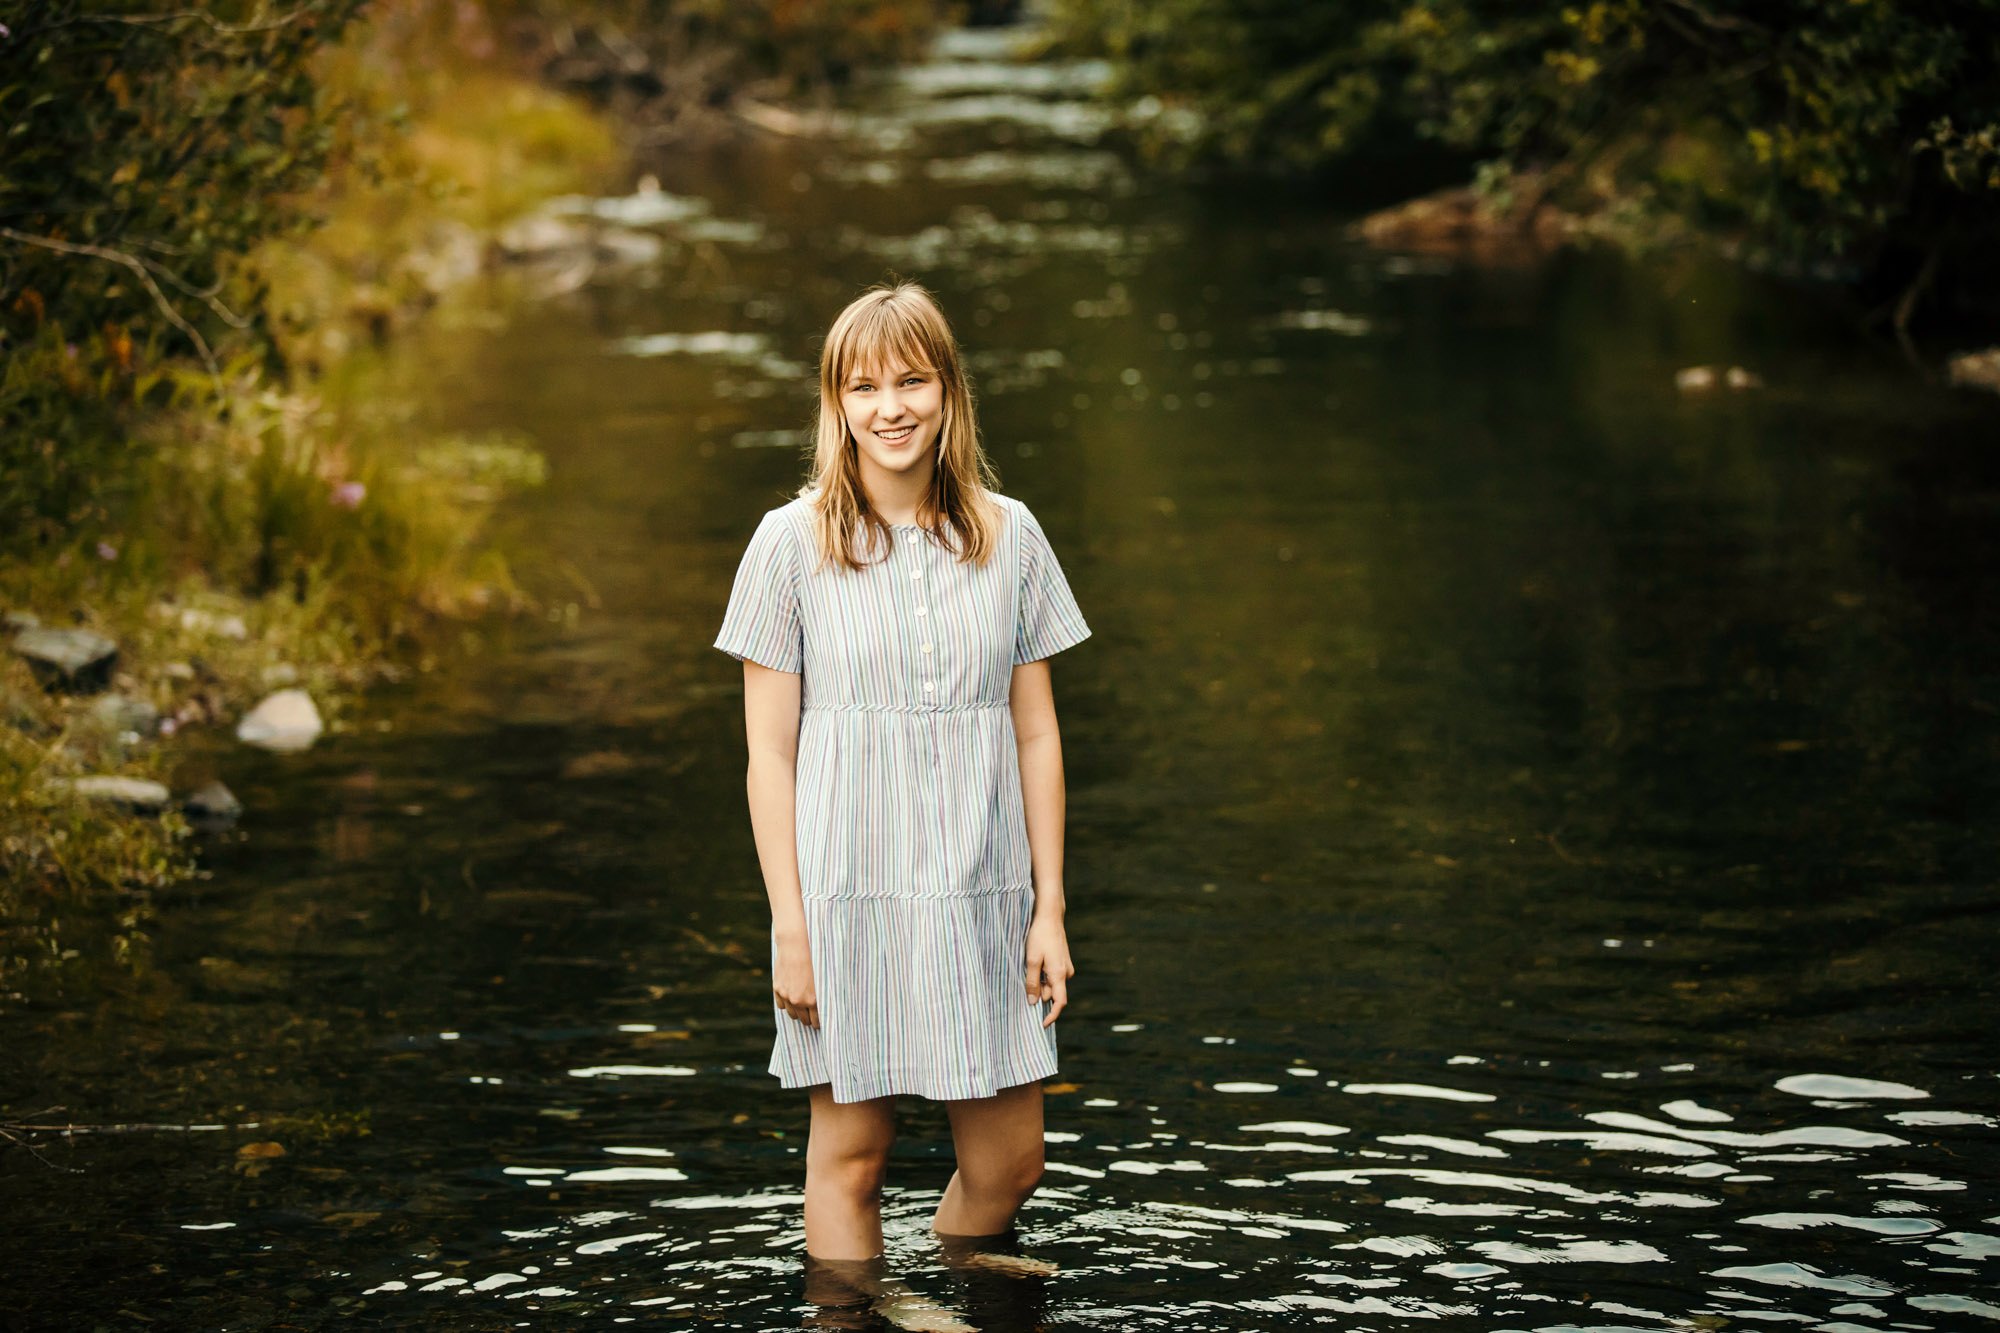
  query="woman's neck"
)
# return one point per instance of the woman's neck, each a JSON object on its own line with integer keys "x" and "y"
{"x": 897, "y": 496}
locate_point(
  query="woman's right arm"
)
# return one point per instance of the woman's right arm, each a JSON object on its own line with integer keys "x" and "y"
{"x": 771, "y": 722}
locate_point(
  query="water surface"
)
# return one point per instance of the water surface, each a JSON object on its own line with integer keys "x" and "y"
{"x": 1531, "y": 829}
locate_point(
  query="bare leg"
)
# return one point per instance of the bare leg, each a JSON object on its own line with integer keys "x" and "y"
{"x": 847, "y": 1154}
{"x": 999, "y": 1144}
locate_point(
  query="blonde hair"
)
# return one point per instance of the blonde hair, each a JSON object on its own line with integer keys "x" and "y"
{"x": 885, "y": 324}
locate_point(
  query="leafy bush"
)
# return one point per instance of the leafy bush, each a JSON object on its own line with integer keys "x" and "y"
{"x": 148, "y": 148}
{"x": 1862, "y": 132}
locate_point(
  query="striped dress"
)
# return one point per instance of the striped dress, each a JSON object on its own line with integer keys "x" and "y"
{"x": 912, "y": 842}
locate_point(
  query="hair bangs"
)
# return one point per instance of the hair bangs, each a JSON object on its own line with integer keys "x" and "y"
{"x": 882, "y": 335}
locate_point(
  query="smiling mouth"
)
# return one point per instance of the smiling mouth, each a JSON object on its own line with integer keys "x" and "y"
{"x": 896, "y": 436}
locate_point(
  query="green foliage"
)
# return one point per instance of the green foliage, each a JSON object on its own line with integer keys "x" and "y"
{"x": 210, "y": 211}
{"x": 149, "y": 144}
{"x": 1857, "y": 129}
{"x": 147, "y": 148}
{"x": 1273, "y": 80}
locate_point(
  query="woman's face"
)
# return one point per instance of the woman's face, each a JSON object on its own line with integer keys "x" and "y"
{"x": 893, "y": 412}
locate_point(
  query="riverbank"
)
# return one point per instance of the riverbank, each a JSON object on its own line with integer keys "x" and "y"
{"x": 239, "y": 535}
{"x": 284, "y": 525}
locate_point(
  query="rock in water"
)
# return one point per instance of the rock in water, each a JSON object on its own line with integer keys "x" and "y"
{"x": 75, "y": 659}
{"x": 138, "y": 793}
{"x": 212, "y": 806}
{"x": 286, "y": 720}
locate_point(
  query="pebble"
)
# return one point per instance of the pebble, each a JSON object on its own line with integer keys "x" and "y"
{"x": 138, "y": 793}
{"x": 198, "y": 621}
{"x": 286, "y": 720}
{"x": 212, "y": 805}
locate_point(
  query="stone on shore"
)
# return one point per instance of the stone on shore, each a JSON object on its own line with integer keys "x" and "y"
{"x": 284, "y": 721}
{"x": 136, "y": 793}
{"x": 72, "y": 659}
{"x": 212, "y": 805}
{"x": 1463, "y": 223}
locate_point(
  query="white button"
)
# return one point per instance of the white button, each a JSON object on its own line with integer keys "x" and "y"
{"x": 923, "y": 610}
{"x": 916, "y": 573}
{"x": 927, "y": 687}
{"x": 927, "y": 647}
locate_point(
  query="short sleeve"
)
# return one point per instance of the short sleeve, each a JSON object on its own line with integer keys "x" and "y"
{"x": 762, "y": 624}
{"x": 1048, "y": 620}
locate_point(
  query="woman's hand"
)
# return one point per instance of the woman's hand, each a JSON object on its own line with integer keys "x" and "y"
{"x": 1049, "y": 967}
{"x": 792, "y": 981}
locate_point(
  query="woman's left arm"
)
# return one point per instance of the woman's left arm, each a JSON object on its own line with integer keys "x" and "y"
{"x": 1031, "y": 700}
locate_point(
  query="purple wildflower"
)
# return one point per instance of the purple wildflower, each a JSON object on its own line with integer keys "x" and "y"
{"x": 350, "y": 494}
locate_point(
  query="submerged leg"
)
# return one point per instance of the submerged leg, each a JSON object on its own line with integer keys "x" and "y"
{"x": 854, "y": 1293}
{"x": 842, "y": 1292}
{"x": 998, "y": 1253}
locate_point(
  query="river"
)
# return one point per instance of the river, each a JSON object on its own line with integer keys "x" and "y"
{"x": 1532, "y": 828}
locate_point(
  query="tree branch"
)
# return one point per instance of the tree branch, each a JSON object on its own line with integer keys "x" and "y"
{"x": 216, "y": 24}
{"x": 139, "y": 268}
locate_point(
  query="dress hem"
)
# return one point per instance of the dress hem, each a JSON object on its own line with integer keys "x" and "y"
{"x": 899, "y": 1088}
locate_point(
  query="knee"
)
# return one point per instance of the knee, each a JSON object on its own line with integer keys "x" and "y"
{"x": 857, "y": 1173}
{"x": 1029, "y": 1173}
{"x": 1014, "y": 1177}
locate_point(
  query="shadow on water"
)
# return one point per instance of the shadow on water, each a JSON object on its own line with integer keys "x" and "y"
{"x": 1531, "y": 829}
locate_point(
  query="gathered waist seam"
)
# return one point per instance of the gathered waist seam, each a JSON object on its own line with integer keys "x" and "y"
{"x": 984, "y": 891}
{"x": 904, "y": 708}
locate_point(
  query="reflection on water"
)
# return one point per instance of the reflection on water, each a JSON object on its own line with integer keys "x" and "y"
{"x": 1531, "y": 827}
{"x": 1298, "y": 1192}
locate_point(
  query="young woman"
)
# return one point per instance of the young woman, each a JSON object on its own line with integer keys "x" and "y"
{"x": 905, "y": 782}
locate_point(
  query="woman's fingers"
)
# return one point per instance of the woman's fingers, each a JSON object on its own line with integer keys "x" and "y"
{"x": 1047, "y": 983}
{"x": 804, "y": 1009}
